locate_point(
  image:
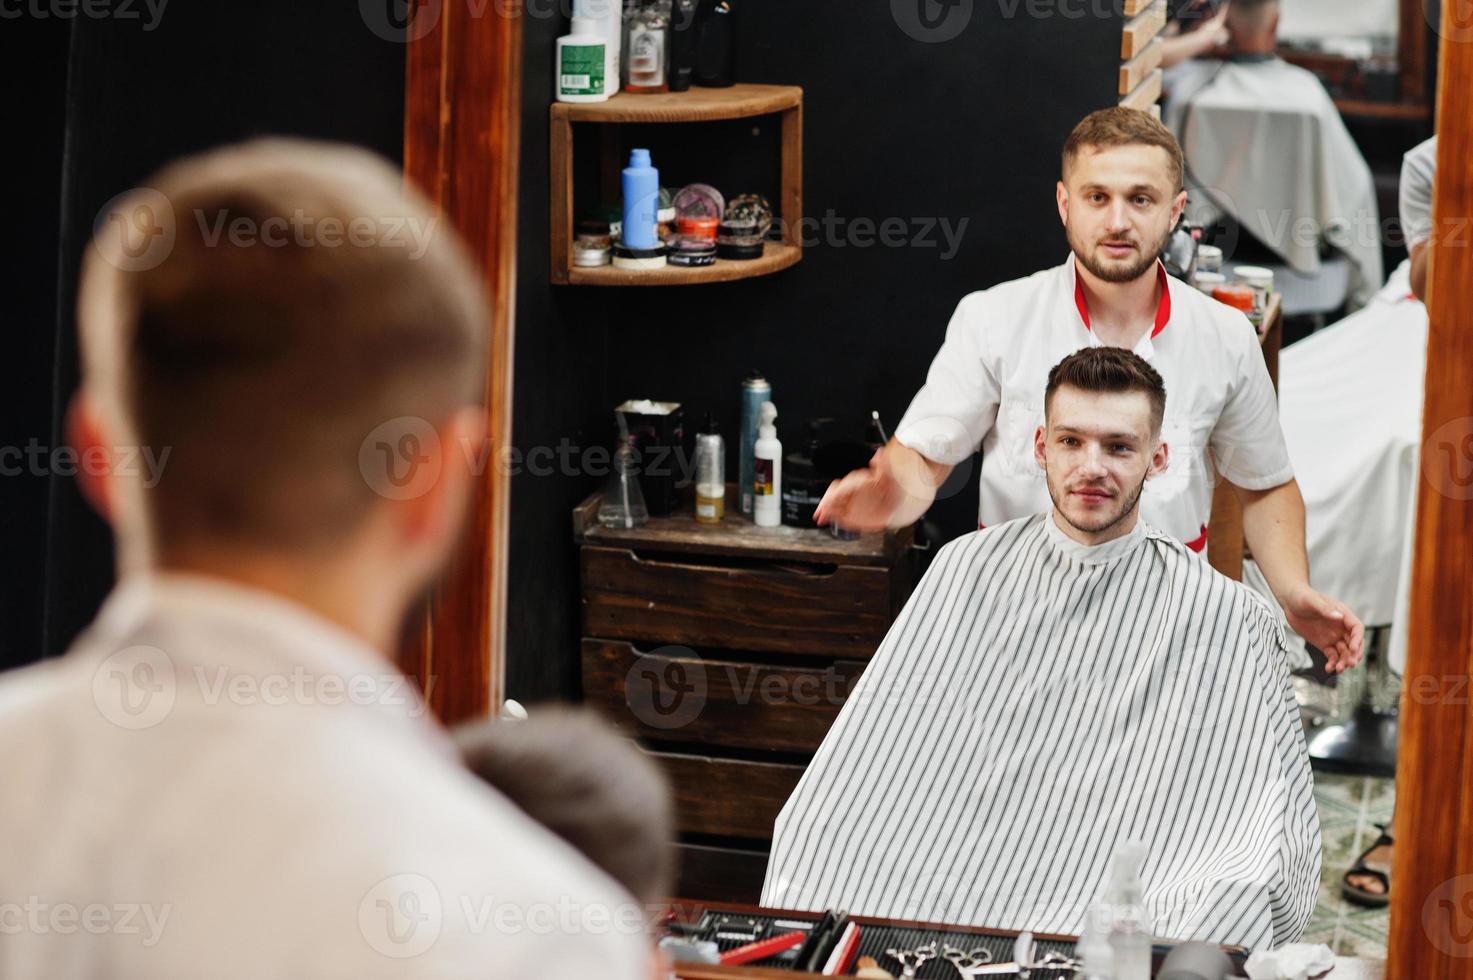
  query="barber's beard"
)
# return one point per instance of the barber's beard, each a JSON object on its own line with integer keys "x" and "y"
{"x": 1144, "y": 259}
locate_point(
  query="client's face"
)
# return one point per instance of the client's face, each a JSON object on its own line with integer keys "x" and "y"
{"x": 1097, "y": 450}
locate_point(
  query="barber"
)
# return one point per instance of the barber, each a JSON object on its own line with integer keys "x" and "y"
{"x": 1120, "y": 196}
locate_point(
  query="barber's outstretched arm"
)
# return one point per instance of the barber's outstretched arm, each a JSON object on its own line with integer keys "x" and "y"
{"x": 1421, "y": 255}
{"x": 895, "y": 490}
{"x": 1273, "y": 523}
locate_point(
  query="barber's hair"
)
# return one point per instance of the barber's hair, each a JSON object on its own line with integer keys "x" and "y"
{"x": 292, "y": 297}
{"x": 1251, "y": 15}
{"x": 1121, "y": 126}
{"x": 1111, "y": 370}
{"x": 568, "y": 770}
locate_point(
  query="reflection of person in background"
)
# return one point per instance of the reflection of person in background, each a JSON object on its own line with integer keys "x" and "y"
{"x": 1418, "y": 169}
{"x": 1056, "y": 685}
{"x": 1266, "y": 146}
{"x": 1187, "y": 36}
{"x": 1119, "y": 196}
{"x": 1368, "y": 882}
{"x": 230, "y": 744}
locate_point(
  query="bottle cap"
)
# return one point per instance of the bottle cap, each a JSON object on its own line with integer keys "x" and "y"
{"x": 639, "y": 158}
{"x": 586, "y": 27}
{"x": 766, "y": 418}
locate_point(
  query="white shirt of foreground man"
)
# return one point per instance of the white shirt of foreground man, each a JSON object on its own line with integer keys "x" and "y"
{"x": 1048, "y": 693}
{"x": 269, "y": 797}
{"x": 227, "y": 776}
{"x": 1118, "y": 200}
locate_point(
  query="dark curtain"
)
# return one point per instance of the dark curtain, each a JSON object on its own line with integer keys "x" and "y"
{"x": 115, "y": 97}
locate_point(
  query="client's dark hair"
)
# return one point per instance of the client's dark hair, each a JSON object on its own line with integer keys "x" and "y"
{"x": 1112, "y": 370}
{"x": 569, "y": 771}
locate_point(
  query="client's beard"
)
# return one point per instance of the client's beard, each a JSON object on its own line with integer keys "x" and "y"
{"x": 1132, "y": 503}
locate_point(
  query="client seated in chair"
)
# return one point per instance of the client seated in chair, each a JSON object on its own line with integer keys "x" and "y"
{"x": 1266, "y": 147}
{"x": 1056, "y": 686}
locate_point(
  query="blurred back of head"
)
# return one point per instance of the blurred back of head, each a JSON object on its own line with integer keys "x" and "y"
{"x": 257, "y": 311}
{"x": 569, "y": 771}
{"x": 1254, "y": 25}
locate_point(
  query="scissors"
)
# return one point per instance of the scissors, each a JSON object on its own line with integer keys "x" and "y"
{"x": 912, "y": 959}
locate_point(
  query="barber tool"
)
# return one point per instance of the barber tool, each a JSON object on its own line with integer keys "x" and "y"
{"x": 1025, "y": 960}
{"x": 762, "y": 949}
{"x": 843, "y": 953}
{"x": 815, "y": 951}
{"x": 912, "y": 960}
{"x": 964, "y": 961}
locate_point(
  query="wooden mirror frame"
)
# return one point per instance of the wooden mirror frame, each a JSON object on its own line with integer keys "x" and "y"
{"x": 462, "y": 120}
{"x": 462, "y": 144}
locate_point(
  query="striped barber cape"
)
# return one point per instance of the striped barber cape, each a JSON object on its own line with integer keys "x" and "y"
{"x": 1039, "y": 702}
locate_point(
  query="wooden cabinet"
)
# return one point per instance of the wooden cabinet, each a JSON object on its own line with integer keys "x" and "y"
{"x": 727, "y": 652}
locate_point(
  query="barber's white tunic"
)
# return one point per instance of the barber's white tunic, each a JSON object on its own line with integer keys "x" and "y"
{"x": 986, "y": 386}
{"x": 216, "y": 783}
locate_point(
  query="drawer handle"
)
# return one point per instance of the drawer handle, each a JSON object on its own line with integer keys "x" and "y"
{"x": 803, "y": 569}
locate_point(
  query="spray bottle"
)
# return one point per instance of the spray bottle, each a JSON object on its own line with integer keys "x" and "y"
{"x": 767, "y": 465}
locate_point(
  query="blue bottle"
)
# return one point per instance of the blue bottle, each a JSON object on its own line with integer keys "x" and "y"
{"x": 641, "y": 201}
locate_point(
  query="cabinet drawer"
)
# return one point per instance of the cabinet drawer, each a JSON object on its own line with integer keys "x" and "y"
{"x": 671, "y": 694}
{"x": 837, "y": 610}
{"x": 727, "y": 797}
{"x": 720, "y": 874}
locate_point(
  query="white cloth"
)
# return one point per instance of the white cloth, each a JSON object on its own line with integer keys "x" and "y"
{"x": 986, "y": 386}
{"x": 1418, "y": 170}
{"x": 224, "y": 785}
{"x": 1264, "y": 141}
{"x": 1316, "y": 20}
{"x": 1036, "y": 704}
{"x": 1350, "y": 399}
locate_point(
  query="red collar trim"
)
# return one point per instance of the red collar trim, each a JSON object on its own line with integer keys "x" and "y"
{"x": 1163, "y": 309}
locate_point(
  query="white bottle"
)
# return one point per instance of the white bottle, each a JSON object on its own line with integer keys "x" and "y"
{"x": 767, "y": 467}
{"x": 1130, "y": 930}
{"x": 582, "y": 64}
{"x": 609, "y": 15}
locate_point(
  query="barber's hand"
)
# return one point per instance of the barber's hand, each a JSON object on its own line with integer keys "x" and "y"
{"x": 865, "y": 500}
{"x": 1215, "y": 33}
{"x": 1329, "y": 625}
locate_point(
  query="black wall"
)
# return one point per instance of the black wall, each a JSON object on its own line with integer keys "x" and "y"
{"x": 895, "y": 127}
{"x": 113, "y": 102}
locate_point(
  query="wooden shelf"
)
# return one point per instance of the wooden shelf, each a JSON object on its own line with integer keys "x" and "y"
{"x": 778, "y": 255}
{"x": 695, "y": 105}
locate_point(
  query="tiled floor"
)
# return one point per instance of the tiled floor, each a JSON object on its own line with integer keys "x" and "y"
{"x": 1349, "y": 807}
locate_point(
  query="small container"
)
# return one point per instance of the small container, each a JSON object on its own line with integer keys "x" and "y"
{"x": 682, "y": 44}
{"x": 710, "y": 474}
{"x": 1260, "y": 279}
{"x": 646, "y": 47}
{"x": 741, "y": 252}
{"x": 641, "y": 186}
{"x": 588, "y": 255}
{"x": 699, "y": 201}
{"x": 1241, "y": 297}
{"x": 691, "y": 252}
{"x": 594, "y": 232}
{"x": 639, "y": 259}
{"x": 1208, "y": 281}
{"x": 1209, "y": 258}
{"x": 755, "y": 390}
{"x": 698, "y": 227}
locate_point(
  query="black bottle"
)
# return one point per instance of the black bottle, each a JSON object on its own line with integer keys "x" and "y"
{"x": 683, "y": 44}
{"x": 716, "y": 43}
